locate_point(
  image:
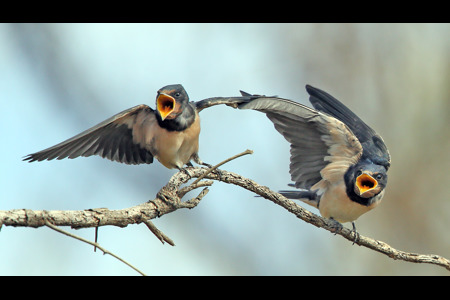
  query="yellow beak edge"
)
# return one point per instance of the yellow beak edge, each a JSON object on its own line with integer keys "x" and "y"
{"x": 165, "y": 105}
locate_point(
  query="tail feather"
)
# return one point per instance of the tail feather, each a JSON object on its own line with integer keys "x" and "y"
{"x": 306, "y": 196}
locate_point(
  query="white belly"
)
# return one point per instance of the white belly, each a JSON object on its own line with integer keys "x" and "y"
{"x": 335, "y": 204}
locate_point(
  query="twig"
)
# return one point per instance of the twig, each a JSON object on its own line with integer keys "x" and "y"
{"x": 221, "y": 163}
{"x": 50, "y": 225}
{"x": 195, "y": 201}
{"x": 190, "y": 203}
{"x": 96, "y": 238}
{"x": 158, "y": 233}
{"x": 184, "y": 190}
{"x": 169, "y": 200}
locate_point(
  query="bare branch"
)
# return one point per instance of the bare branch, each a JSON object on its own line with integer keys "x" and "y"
{"x": 158, "y": 233}
{"x": 96, "y": 245}
{"x": 224, "y": 162}
{"x": 168, "y": 200}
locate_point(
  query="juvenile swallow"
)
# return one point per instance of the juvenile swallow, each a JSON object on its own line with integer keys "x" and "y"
{"x": 338, "y": 163}
{"x": 170, "y": 133}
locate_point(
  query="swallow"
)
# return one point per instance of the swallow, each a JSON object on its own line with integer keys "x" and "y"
{"x": 169, "y": 133}
{"x": 337, "y": 162}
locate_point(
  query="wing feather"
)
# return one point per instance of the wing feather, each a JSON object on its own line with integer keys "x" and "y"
{"x": 374, "y": 147}
{"x": 122, "y": 138}
{"x": 322, "y": 147}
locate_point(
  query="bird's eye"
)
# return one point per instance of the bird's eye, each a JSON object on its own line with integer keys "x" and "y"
{"x": 177, "y": 95}
{"x": 358, "y": 173}
{"x": 379, "y": 176}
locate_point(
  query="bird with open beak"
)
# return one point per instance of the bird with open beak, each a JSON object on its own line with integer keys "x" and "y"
{"x": 170, "y": 133}
{"x": 338, "y": 163}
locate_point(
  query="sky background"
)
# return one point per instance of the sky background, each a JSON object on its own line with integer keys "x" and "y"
{"x": 57, "y": 80}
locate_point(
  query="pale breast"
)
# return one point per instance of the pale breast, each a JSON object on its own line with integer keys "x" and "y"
{"x": 174, "y": 149}
{"x": 335, "y": 204}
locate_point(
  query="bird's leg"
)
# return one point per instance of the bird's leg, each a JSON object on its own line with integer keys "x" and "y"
{"x": 206, "y": 165}
{"x": 336, "y": 226}
{"x": 198, "y": 161}
{"x": 183, "y": 169}
{"x": 356, "y": 233}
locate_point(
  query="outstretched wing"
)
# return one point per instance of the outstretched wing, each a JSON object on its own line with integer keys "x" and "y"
{"x": 322, "y": 147}
{"x": 230, "y": 101}
{"x": 123, "y": 138}
{"x": 374, "y": 147}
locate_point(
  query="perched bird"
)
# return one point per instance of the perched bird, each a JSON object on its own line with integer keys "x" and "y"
{"x": 337, "y": 162}
{"x": 170, "y": 133}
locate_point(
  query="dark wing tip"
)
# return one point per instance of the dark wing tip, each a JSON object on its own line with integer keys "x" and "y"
{"x": 374, "y": 147}
{"x": 309, "y": 88}
{"x": 254, "y": 96}
{"x": 315, "y": 92}
{"x": 319, "y": 97}
{"x": 35, "y": 157}
{"x": 245, "y": 94}
{"x": 29, "y": 158}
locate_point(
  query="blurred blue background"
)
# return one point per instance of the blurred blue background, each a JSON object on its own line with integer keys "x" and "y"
{"x": 57, "y": 80}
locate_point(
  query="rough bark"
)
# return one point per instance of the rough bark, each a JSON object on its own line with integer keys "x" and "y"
{"x": 168, "y": 199}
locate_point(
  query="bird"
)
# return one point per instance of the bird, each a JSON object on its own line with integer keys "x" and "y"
{"x": 169, "y": 133}
{"x": 337, "y": 162}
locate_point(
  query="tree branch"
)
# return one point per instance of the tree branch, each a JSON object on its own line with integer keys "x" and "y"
{"x": 48, "y": 224}
{"x": 168, "y": 200}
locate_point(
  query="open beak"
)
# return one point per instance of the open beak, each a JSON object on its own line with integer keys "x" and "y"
{"x": 365, "y": 184}
{"x": 165, "y": 104}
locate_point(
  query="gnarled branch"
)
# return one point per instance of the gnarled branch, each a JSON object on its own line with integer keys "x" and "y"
{"x": 168, "y": 200}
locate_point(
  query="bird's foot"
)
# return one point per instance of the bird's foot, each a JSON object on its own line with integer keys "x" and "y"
{"x": 209, "y": 166}
{"x": 184, "y": 169}
{"x": 336, "y": 226}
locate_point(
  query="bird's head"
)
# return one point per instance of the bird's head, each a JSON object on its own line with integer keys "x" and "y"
{"x": 368, "y": 179}
{"x": 170, "y": 101}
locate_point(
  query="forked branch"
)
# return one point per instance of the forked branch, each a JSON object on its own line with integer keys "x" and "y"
{"x": 168, "y": 200}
